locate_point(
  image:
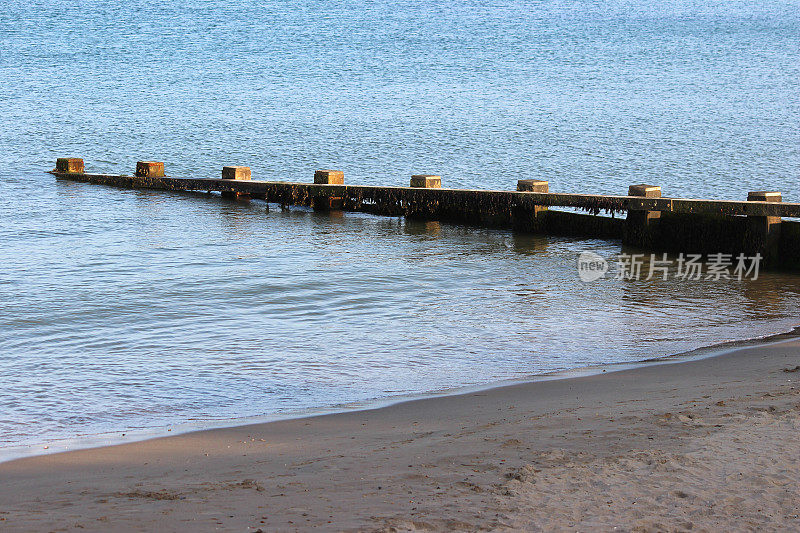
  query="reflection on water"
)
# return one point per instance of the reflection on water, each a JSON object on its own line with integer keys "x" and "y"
{"x": 130, "y": 309}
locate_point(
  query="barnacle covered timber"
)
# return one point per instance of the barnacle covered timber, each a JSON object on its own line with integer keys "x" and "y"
{"x": 686, "y": 225}
{"x": 447, "y": 203}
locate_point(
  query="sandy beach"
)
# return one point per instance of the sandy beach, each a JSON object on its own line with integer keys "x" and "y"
{"x": 701, "y": 445}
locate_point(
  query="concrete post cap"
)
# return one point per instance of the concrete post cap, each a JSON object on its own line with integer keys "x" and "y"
{"x": 764, "y": 196}
{"x": 69, "y": 164}
{"x": 329, "y": 177}
{"x": 236, "y": 173}
{"x": 648, "y": 191}
{"x": 426, "y": 181}
{"x": 533, "y": 186}
{"x": 150, "y": 169}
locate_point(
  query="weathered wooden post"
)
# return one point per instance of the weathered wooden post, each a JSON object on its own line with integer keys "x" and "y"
{"x": 426, "y": 181}
{"x": 764, "y": 233}
{"x": 423, "y": 207}
{"x": 327, "y": 177}
{"x": 534, "y": 186}
{"x": 149, "y": 169}
{"x": 238, "y": 174}
{"x": 640, "y": 224}
{"x": 71, "y": 165}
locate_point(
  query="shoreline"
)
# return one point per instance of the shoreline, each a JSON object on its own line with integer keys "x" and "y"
{"x": 121, "y": 437}
{"x": 706, "y": 444}
{"x": 113, "y": 438}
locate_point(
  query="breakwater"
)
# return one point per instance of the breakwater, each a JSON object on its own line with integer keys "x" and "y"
{"x": 651, "y": 222}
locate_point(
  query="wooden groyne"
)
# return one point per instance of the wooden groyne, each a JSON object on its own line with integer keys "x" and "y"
{"x": 652, "y": 222}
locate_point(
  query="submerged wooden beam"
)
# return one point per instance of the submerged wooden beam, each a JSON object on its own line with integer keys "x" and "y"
{"x": 398, "y": 200}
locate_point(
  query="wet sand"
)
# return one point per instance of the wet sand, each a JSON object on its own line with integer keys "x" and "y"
{"x": 708, "y": 444}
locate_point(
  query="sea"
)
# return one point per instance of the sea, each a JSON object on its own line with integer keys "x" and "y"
{"x": 128, "y": 313}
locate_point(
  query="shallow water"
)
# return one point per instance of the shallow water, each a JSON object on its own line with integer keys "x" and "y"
{"x": 128, "y": 309}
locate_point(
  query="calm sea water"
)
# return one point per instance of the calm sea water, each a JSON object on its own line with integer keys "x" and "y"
{"x": 126, "y": 309}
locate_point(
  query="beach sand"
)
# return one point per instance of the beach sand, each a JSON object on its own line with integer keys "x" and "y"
{"x": 701, "y": 445}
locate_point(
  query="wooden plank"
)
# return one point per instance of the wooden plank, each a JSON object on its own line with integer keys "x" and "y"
{"x": 465, "y": 199}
